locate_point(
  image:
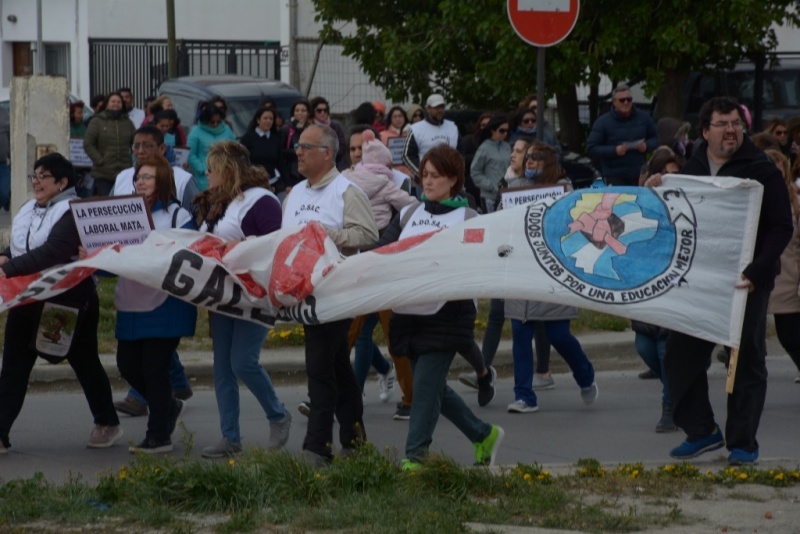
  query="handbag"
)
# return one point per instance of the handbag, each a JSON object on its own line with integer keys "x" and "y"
{"x": 56, "y": 329}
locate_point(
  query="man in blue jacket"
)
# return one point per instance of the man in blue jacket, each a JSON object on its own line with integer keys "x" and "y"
{"x": 620, "y": 139}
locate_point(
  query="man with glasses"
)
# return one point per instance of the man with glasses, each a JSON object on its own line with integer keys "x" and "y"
{"x": 725, "y": 151}
{"x": 327, "y": 197}
{"x": 321, "y": 114}
{"x": 424, "y": 135}
{"x": 149, "y": 141}
{"x": 620, "y": 139}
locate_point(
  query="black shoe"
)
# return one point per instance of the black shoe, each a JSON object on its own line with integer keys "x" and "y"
{"x": 152, "y": 446}
{"x": 666, "y": 423}
{"x": 486, "y": 387}
{"x": 647, "y": 375}
{"x": 403, "y": 412}
{"x": 177, "y": 409}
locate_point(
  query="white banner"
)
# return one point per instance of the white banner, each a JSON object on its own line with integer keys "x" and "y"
{"x": 668, "y": 256}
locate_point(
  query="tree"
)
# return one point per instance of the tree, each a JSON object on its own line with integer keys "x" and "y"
{"x": 468, "y": 50}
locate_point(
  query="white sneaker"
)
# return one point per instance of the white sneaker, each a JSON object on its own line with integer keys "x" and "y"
{"x": 386, "y": 384}
{"x": 797, "y": 379}
{"x": 520, "y": 406}
{"x": 541, "y": 382}
{"x": 590, "y": 394}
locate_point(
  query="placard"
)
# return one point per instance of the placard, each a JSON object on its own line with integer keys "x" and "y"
{"x": 124, "y": 220}
{"x": 525, "y": 195}
{"x": 181, "y": 156}
{"x": 77, "y": 155}
{"x": 396, "y": 145}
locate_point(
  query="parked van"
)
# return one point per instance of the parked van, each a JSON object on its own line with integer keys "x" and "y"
{"x": 243, "y": 94}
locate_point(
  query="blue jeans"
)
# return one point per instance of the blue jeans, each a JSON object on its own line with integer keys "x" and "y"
{"x": 432, "y": 396}
{"x": 564, "y": 342}
{"x": 368, "y": 353}
{"x": 237, "y": 346}
{"x": 178, "y": 380}
{"x": 652, "y": 350}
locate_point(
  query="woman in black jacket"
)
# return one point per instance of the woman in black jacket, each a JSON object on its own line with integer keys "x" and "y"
{"x": 43, "y": 236}
{"x": 265, "y": 145}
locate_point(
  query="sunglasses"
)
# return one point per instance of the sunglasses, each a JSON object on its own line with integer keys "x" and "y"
{"x": 529, "y": 120}
{"x": 626, "y": 100}
{"x": 780, "y": 132}
{"x": 502, "y": 130}
{"x": 321, "y": 110}
{"x": 418, "y": 114}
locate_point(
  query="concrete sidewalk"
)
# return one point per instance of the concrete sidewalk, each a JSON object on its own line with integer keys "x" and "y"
{"x": 290, "y": 360}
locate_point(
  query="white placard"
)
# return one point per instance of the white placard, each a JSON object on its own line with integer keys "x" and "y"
{"x": 125, "y": 220}
{"x": 181, "y": 156}
{"x": 526, "y": 195}
{"x": 77, "y": 155}
{"x": 396, "y": 145}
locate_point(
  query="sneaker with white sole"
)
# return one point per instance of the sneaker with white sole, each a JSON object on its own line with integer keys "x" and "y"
{"x": 103, "y": 436}
{"x": 386, "y": 384}
{"x": 486, "y": 450}
{"x": 3, "y": 448}
{"x": 131, "y": 406}
{"x": 541, "y": 382}
{"x": 151, "y": 446}
{"x": 797, "y": 379}
{"x": 520, "y": 406}
{"x": 304, "y": 408}
{"x": 589, "y": 394}
{"x": 402, "y": 413}
{"x": 279, "y": 432}
{"x": 222, "y": 449}
{"x": 469, "y": 379}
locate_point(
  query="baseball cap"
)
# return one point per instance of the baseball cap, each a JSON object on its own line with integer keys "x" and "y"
{"x": 435, "y": 100}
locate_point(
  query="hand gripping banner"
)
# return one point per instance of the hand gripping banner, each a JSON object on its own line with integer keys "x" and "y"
{"x": 668, "y": 256}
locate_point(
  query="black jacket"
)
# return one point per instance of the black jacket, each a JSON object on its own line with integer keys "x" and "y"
{"x": 775, "y": 226}
{"x": 268, "y": 153}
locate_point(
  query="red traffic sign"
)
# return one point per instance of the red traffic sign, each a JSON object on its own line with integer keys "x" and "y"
{"x": 543, "y": 22}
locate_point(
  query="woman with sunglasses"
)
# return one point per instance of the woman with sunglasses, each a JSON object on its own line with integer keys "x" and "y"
{"x": 524, "y": 124}
{"x": 491, "y": 160}
{"x": 415, "y": 113}
{"x": 777, "y": 128}
{"x": 321, "y": 110}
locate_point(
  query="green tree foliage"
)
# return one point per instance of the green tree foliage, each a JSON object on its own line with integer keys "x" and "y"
{"x": 469, "y": 50}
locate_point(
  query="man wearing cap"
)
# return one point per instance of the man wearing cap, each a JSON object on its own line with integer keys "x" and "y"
{"x": 424, "y": 135}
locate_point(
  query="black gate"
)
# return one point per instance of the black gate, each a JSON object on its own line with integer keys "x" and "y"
{"x": 142, "y": 64}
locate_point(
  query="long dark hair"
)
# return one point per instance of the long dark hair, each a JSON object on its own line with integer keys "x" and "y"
{"x": 251, "y": 127}
{"x": 494, "y": 123}
{"x": 388, "y": 120}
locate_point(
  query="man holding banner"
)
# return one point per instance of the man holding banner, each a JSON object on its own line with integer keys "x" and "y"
{"x": 726, "y": 152}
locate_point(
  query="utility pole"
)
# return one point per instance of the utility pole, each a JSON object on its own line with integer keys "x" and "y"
{"x": 172, "y": 49}
{"x": 40, "y": 66}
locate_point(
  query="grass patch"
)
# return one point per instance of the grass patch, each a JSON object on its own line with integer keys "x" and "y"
{"x": 267, "y": 490}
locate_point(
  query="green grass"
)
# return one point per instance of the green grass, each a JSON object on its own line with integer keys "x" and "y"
{"x": 274, "y": 491}
{"x": 284, "y": 335}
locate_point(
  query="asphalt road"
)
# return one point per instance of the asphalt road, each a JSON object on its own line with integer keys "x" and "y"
{"x": 50, "y": 433}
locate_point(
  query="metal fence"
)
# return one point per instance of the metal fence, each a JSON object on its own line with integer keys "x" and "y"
{"x": 142, "y": 64}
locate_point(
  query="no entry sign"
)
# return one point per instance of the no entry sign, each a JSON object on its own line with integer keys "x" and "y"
{"x": 543, "y": 22}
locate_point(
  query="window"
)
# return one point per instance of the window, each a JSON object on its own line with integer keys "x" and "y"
{"x": 56, "y": 57}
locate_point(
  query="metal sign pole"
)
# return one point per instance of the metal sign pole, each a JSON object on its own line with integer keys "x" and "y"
{"x": 540, "y": 97}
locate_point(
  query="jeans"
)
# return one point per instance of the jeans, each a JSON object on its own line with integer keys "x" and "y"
{"x": 5, "y": 186}
{"x": 368, "y": 353}
{"x": 144, "y": 363}
{"x": 565, "y": 343}
{"x": 787, "y": 326}
{"x": 19, "y": 358}
{"x": 237, "y": 347}
{"x": 652, "y": 350}
{"x": 494, "y": 330}
{"x": 432, "y": 396}
{"x": 177, "y": 378}
{"x": 686, "y": 362}
{"x": 332, "y": 389}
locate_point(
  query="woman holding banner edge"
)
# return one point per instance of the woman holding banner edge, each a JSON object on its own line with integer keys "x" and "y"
{"x": 43, "y": 235}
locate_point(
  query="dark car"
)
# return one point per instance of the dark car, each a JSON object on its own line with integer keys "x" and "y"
{"x": 243, "y": 94}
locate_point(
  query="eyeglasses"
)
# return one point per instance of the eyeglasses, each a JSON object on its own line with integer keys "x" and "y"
{"x": 321, "y": 110}
{"x": 535, "y": 157}
{"x": 146, "y": 146}
{"x": 147, "y": 177}
{"x": 309, "y": 146}
{"x": 625, "y": 100}
{"x": 529, "y": 120}
{"x": 724, "y": 125}
{"x": 502, "y": 130}
{"x": 39, "y": 177}
{"x": 780, "y": 132}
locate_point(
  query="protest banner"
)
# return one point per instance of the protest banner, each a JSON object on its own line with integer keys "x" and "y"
{"x": 395, "y": 146}
{"x": 519, "y": 196}
{"x": 77, "y": 155}
{"x": 125, "y": 220}
{"x": 669, "y": 256}
{"x": 181, "y": 156}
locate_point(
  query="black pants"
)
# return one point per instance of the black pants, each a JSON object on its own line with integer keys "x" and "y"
{"x": 787, "y": 325}
{"x": 686, "y": 362}
{"x": 332, "y": 389}
{"x": 144, "y": 363}
{"x": 19, "y": 358}
{"x": 103, "y": 188}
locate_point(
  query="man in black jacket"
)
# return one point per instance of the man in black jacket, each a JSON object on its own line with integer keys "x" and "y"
{"x": 726, "y": 152}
